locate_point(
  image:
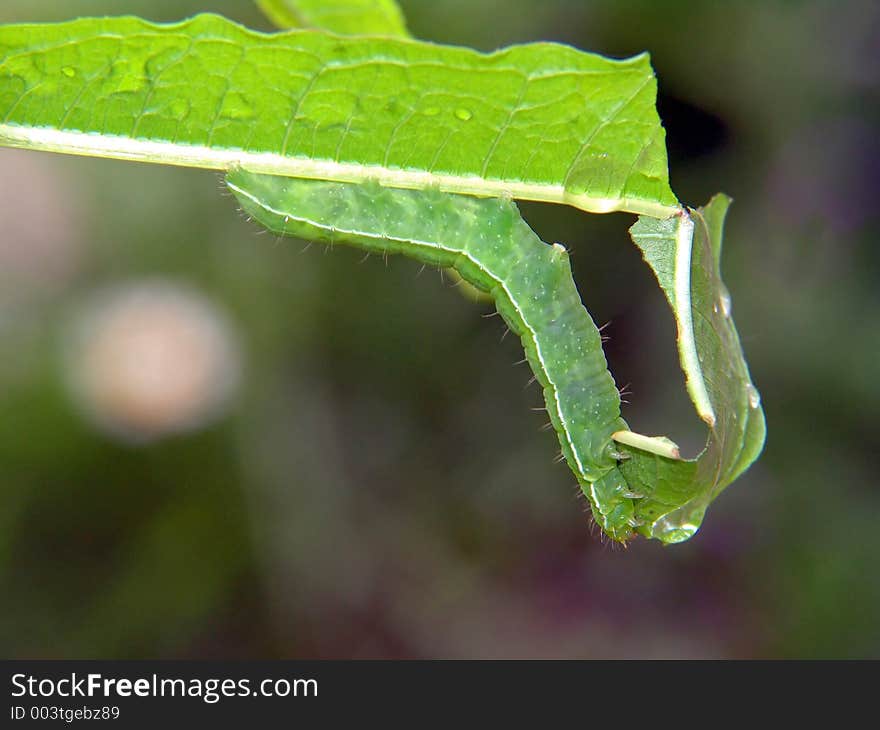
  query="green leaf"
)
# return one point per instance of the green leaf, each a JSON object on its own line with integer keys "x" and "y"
{"x": 685, "y": 254}
{"x": 539, "y": 121}
{"x": 346, "y": 17}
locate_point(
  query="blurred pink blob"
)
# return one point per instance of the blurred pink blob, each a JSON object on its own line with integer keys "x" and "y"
{"x": 151, "y": 358}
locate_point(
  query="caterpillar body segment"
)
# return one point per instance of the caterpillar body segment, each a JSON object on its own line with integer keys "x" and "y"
{"x": 491, "y": 247}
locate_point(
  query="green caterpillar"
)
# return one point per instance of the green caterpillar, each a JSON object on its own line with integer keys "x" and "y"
{"x": 486, "y": 241}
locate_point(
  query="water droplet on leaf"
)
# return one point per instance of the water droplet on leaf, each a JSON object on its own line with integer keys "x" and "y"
{"x": 724, "y": 300}
{"x": 463, "y": 114}
{"x": 754, "y": 395}
{"x": 69, "y": 71}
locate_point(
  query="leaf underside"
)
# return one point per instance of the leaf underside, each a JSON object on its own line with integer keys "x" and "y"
{"x": 676, "y": 492}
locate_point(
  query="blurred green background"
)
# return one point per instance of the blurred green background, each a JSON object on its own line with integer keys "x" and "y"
{"x": 366, "y": 478}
